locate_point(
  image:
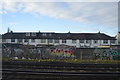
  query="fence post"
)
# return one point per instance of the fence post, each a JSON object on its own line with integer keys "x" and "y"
{"x": 81, "y": 55}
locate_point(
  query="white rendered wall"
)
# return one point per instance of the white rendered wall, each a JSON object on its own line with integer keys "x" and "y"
{"x": 68, "y": 42}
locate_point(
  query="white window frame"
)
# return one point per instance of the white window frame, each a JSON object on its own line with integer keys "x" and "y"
{"x": 74, "y": 41}
{"x": 33, "y": 34}
{"x": 105, "y": 41}
{"x": 50, "y": 40}
{"x": 56, "y": 41}
{"x": 26, "y": 41}
{"x": 12, "y": 40}
{"x": 44, "y": 34}
{"x": 64, "y": 41}
{"x": 43, "y": 41}
{"x": 87, "y": 41}
{"x": 111, "y": 41}
{"x": 33, "y": 40}
{"x": 19, "y": 40}
{"x": 95, "y": 41}
{"x": 82, "y": 41}
{"x": 27, "y": 34}
{"x": 4, "y": 40}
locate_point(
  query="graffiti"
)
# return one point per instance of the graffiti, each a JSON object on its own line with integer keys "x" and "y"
{"x": 62, "y": 52}
{"x": 106, "y": 53}
{"x": 27, "y": 51}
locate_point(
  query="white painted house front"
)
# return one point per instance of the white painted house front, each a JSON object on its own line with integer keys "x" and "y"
{"x": 79, "y": 40}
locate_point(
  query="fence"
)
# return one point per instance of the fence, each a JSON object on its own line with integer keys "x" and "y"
{"x": 58, "y": 52}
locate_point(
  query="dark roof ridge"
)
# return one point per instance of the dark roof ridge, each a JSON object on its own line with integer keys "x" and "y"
{"x": 56, "y": 32}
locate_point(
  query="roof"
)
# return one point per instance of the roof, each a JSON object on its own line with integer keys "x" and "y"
{"x": 0, "y": 36}
{"x": 48, "y": 35}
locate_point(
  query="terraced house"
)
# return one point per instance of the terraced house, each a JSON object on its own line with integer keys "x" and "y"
{"x": 79, "y": 40}
{"x": 118, "y": 38}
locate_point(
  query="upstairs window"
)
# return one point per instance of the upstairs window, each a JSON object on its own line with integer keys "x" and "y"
{"x": 118, "y": 42}
{"x": 43, "y": 40}
{"x": 12, "y": 40}
{"x": 50, "y": 34}
{"x": 32, "y": 40}
{"x": 26, "y": 40}
{"x": 73, "y": 41}
{"x": 87, "y": 41}
{"x": 19, "y": 40}
{"x": 50, "y": 40}
{"x": 27, "y": 34}
{"x": 63, "y": 41}
{"x": 3, "y": 40}
{"x": 56, "y": 40}
{"x": 112, "y": 41}
{"x": 105, "y": 41}
{"x": 81, "y": 41}
{"x": 95, "y": 41}
{"x": 33, "y": 34}
{"x": 44, "y": 34}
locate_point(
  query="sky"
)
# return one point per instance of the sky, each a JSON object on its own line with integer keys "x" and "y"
{"x": 76, "y": 17}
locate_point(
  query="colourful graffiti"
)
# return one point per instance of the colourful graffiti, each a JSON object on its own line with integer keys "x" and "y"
{"x": 62, "y": 52}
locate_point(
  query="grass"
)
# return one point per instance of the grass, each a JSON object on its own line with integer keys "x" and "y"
{"x": 70, "y": 61}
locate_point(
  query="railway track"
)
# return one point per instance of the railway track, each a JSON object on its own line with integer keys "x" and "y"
{"x": 21, "y": 69}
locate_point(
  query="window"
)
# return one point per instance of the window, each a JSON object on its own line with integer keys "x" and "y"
{"x": 73, "y": 41}
{"x": 43, "y": 40}
{"x": 12, "y": 40}
{"x": 44, "y": 34}
{"x": 87, "y": 41}
{"x": 32, "y": 40}
{"x": 81, "y": 41}
{"x": 25, "y": 40}
{"x": 56, "y": 40}
{"x": 118, "y": 42}
{"x": 3, "y": 40}
{"x": 27, "y": 34}
{"x": 95, "y": 41}
{"x": 50, "y": 34}
{"x": 112, "y": 41}
{"x": 63, "y": 41}
{"x": 50, "y": 40}
{"x": 33, "y": 34}
{"x": 19, "y": 40}
{"x": 105, "y": 41}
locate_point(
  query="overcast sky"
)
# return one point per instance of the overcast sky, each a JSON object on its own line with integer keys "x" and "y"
{"x": 80, "y": 17}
